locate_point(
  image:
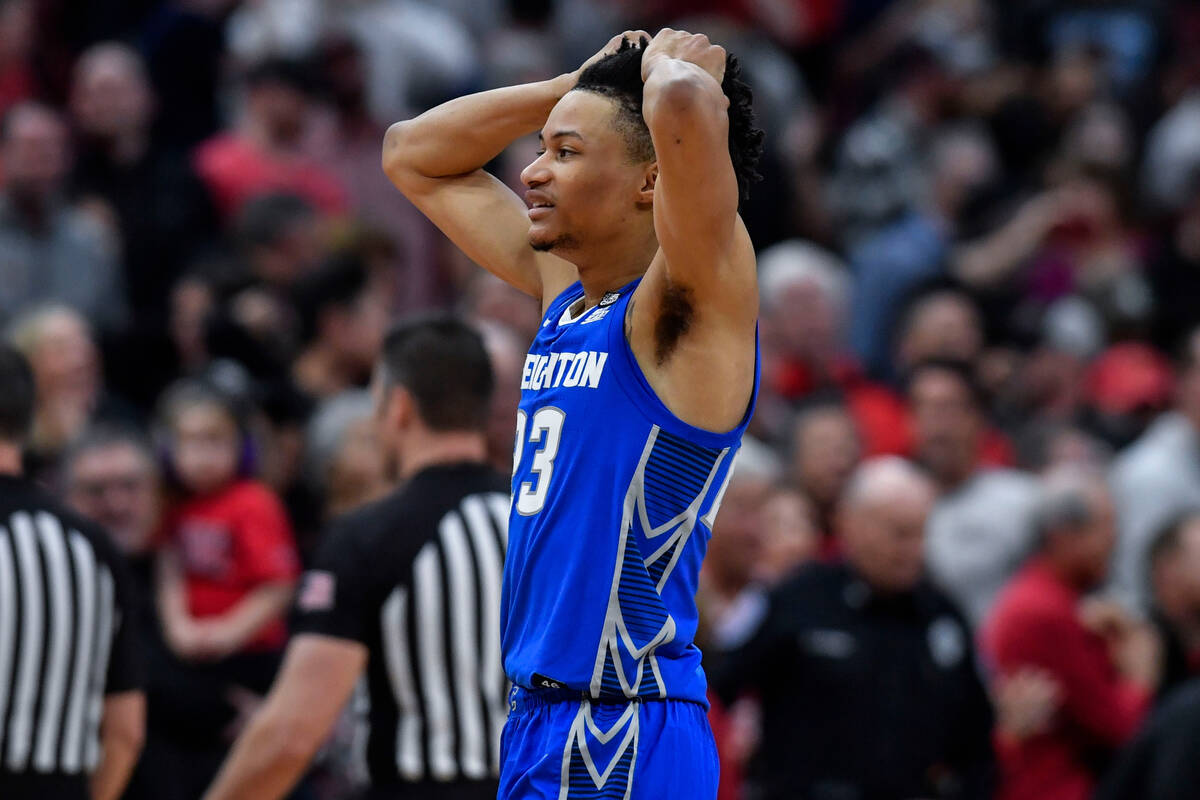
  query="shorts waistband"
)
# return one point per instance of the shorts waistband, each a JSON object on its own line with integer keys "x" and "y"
{"x": 521, "y": 698}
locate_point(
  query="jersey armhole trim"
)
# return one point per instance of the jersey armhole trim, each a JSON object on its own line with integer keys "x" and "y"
{"x": 633, "y": 383}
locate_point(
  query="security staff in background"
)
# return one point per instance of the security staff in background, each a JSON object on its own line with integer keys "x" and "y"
{"x": 72, "y": 712}
{"x": 865, "y": 671}
{"x": 407, "y": 589}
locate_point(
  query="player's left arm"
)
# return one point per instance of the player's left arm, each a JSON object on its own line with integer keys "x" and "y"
{"x": 704, "y": 243}
{"x": 314, "y": 683}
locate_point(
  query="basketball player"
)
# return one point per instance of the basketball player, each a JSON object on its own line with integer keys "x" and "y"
{"x": 635, "y": 392}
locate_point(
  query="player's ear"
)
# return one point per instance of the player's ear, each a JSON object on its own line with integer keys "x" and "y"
{"x": 649, "y": 178}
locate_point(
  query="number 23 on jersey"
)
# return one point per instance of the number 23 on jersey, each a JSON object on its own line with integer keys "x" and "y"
{"x": 544, "y": 431}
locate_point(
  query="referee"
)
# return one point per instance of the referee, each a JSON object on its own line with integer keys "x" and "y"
{"x": 407, "y": 588}
{"x": 72, "y": 713}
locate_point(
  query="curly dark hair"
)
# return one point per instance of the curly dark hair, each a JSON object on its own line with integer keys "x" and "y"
{"x": 619, "y": 77}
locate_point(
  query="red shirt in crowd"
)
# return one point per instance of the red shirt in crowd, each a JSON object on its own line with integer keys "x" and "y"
{"x": 235, "y": 170}
{"x": 1036, "y": 622}
{"x": 230, "y": 543}
{"x": 879, "y": 414}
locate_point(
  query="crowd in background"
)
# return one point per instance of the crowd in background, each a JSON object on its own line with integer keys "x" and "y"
{"x": 979, "y": 253}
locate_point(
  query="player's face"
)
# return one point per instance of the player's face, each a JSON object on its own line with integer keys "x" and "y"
{"x": 583, "y": 187}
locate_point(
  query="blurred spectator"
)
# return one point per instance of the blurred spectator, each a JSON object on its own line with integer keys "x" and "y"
{"x": 825, "y": 449}
{"x": 183, "y": 41}
{"x": 507, "y": 353}
{"x": 160, "y": 207}
{"x": 342, "y": 321}
{"x": 62, "y": 351}
{"x": 1128, "y": 386}
{"x": 111, "y": 476}
{"x": 1156, "y": 477}
{"x": 17, "y": 20}
{"x": 1105, "y": 664}
{"x": 979, "y": 529}
{"x": 1161, "y": 762}
{"x": 281, "y": 28}
{"x": 1174, "y": 273}
{"x": 264, "y": 154}
{"x": 804, "y": 296}
{"x": 51, "y": 250}
{"x": 228, "y": 571}
{"x": 486, "y": 298}
{"x": 878, "y": 177}
{"x": 943, "y": 323}
{"x": 193, "y": 300}
{"x": 154, "y": 200}
{"x": 347, "y": 141}
{"x": 833, "y": 725}
{"x": 418, "y": 55}
{"x": 790, "y": 538}
{"x": 1125, "y": 37}
{"x": 1174, "y": 565}
{"x": 1047, "y": 445}
{"x": 1173, "y": 155}
{"x": 279, "y": 238}
{"x": 344, "y": 456}
{"x": 729, "y": 594}
{"x": 914, "y": 249}
{"x": 1093, "y": 250}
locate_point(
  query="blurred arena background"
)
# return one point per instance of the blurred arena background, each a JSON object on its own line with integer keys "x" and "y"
{"x": 979, "y": 250}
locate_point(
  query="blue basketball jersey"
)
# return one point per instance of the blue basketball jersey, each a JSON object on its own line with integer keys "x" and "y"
{"x": 613, "y": 503}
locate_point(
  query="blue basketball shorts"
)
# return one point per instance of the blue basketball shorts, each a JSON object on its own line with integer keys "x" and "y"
{"x": 559, "y": 746}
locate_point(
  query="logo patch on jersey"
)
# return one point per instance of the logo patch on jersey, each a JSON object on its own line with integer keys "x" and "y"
{"x": 599, "y": 313}
{"x": 318, "y": 592}
{"x": 609, "y": 298}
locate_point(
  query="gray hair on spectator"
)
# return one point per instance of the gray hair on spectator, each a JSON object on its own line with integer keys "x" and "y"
{"x": 885, "y": 478}
{"x": 794, "y": 262}
{"x": 27, "y": 327}
{"x": 327, "y": 429}
{"x": 114, "y": 51}
{"x": 756, "y": 461}
{"x": 1065, "y": 499}
{"x": 102, "y": 436}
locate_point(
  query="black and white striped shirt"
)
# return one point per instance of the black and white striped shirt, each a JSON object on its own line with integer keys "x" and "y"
{"x": 64, "y": 642}
{"x": 416, "y": 579}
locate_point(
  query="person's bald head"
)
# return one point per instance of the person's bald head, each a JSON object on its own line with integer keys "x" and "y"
{"x": 881, "y": 522}
{"x": 110, "y": 91}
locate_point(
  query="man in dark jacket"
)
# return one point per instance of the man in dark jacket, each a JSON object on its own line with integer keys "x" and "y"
{"x": 865, "y": 671}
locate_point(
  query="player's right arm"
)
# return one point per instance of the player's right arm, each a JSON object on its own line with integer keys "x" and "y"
{"x": 436, "y": 160}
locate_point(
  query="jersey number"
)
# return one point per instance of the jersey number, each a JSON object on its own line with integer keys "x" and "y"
{"x": 545, "y": 429}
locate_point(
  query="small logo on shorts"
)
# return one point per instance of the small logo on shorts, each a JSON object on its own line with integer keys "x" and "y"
{"x": 542, "y": 682}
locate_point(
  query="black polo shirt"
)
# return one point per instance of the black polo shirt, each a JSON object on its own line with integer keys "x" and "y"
{"x": 864, "y": 696}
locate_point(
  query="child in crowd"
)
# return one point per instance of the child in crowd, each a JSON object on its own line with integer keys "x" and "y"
{"x": 229, "y": 564}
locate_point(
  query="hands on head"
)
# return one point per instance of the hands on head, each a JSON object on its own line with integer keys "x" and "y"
{"x": 694, "y": 48}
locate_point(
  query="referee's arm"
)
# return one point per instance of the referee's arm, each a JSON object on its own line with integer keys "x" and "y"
{"x": 318, "y": 675}
{"x": 122, "y": 733}
{"x": 123, "y": 723}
